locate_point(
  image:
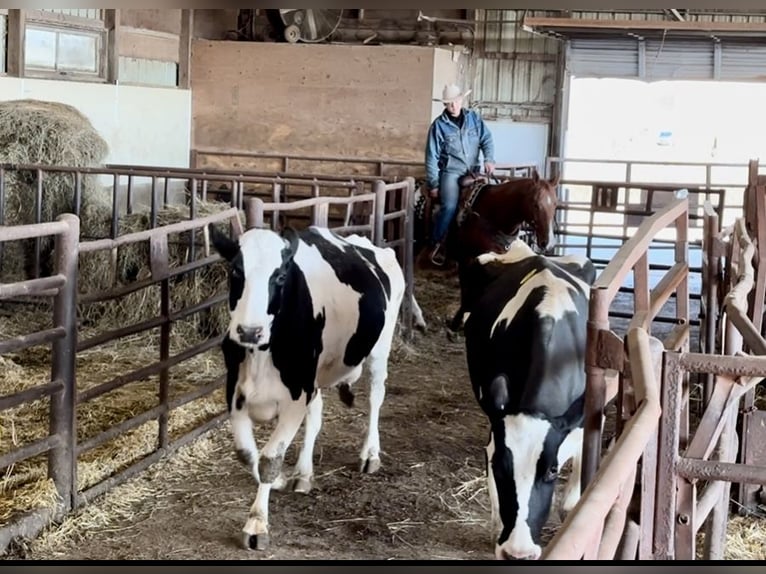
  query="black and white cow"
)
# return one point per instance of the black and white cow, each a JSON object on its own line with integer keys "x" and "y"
{"x": 525, "y": 347}
{"x": 308, "y": 310}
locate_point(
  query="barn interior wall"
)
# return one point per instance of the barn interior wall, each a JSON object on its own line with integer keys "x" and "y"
{"x": 214, "y": 24}
{"x": 321, "y": 100}
{"x": 137, "y": 133}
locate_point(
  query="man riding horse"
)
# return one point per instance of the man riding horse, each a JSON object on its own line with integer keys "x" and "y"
{"x": 455, "y": 139}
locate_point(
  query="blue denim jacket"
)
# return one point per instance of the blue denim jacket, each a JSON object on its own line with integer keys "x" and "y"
{"x": 455, "y": 150}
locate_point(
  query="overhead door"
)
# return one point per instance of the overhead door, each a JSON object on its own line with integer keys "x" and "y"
{"x": 668, "y": 59}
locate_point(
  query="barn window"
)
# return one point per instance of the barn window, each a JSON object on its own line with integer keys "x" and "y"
{"x": 65, "y": 44}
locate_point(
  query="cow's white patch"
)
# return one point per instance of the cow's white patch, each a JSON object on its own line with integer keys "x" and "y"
{"x": 261, "y": 255}
{"x": 516, "y": 252}
{"x": 525, "y": 438}
{"x": 572, "y": 448}
{"x": 557, "y": 300}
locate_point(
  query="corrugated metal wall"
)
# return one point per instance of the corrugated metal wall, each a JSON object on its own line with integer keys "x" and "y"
{"x": 514, "y": 72}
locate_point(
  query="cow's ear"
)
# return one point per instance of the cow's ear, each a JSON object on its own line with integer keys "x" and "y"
{"x": 223, "y": 244}
{"x": 498, "y": 392}
{"x": 572, "y": 417}
{"x": 290, "y": 236}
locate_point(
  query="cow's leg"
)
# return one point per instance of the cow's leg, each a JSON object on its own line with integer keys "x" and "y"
{"x": 571, "y": 448}
{"x": 242, "y": 430}
{"x": 370, "y": 454}
{"x": 420, "y": 322}
{"x": 494, "y": 501}
{"x": 291, "y": 415}
{"x": 304, "y": 468}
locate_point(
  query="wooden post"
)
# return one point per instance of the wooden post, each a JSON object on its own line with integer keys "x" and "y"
{"x": 16, "y": 39}
{"x": 112, "y": 25}
{"x": 184, "y": 49}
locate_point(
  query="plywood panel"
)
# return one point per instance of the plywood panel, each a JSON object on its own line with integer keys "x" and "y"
{"x": 327, "y": 100}
{"x": 151, "y": 19}
{"x": 148, "y": 45}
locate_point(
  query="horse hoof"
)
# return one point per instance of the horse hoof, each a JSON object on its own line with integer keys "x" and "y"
{"x": 256, "y": 541}
{"x": 371, "y": 465}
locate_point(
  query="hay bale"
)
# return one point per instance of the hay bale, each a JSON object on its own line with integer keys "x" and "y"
{"x": 49, "y": 133}
{"x": 104, "y": 271}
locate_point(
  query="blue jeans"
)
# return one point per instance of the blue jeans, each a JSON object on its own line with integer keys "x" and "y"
{"x": 449, "y": 193}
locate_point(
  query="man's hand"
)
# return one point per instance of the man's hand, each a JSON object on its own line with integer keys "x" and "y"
{"x": 489, "y": 167}
{"x": 434, "y": 192}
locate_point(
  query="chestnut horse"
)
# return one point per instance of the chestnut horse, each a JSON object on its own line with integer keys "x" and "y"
{"x": 491, "y": 217}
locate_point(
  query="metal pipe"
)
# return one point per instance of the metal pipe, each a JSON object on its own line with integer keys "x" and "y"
{"x": 62, "y": 465}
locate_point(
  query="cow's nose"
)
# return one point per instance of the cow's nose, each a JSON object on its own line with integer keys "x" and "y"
{"x": 249, "y": 334}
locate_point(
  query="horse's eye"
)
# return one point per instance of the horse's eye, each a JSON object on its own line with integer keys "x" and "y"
{"x": 551, "y": 474}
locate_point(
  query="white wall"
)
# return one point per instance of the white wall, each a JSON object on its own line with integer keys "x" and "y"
{"x": 142, "y": 125}
{"x": 520, "y": 142}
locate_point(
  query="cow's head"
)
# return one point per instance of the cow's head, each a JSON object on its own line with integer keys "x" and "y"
{"x": 522, "y": 468}
{"x": 259, "y": 265}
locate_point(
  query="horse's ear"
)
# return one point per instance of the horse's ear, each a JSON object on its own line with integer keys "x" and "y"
{"x": 535, "y": 175}
{"x": 555, "y": 181}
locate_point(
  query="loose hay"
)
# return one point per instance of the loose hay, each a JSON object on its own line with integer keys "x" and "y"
{"x": 746, "y": 538}
{"x": 49, "y": 133}
{"x": 132, "y": 263}
{"x": 28, "y": 422}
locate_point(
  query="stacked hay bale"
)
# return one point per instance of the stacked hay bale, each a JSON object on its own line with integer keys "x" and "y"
{"x": 49, "y": 133}
{"x": 104, "y": 271}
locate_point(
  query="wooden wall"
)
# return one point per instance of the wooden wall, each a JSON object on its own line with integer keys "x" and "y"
{"x": 322, "y": 100}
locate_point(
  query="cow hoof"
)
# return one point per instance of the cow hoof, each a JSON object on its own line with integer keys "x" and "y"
{"x": 302, "y": 485}
{"x": 453, "y": 336}
{"x": 280, "y": 482}
{"x": 371, "y": 465}
{"x": 256, "y": 541}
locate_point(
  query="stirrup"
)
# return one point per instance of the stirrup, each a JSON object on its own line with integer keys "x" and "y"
{"x": 437, "y": 256}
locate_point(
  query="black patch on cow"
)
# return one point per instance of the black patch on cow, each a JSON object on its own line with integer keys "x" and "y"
{"x": 233, "y": 355}
{"x": 240, "y": 401}
{"x": 541, "y": 494}
{"x": 236, "y": 280}
{"x": 230, "y": 250}
{"x": 358, "y": 275}
{"x": 543, "y": 358}
{"x": 269, "y": 468}
{"x": 345, "y": 394}
{"x": 296, "y": 334}
{"x": 245, "y": 457}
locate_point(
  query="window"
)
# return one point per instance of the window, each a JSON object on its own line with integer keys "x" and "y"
{"x": 65, "y": 43}
{"x": 63, "y": 50}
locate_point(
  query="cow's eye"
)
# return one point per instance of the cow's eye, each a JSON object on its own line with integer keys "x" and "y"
{"x": 551, "y": 474}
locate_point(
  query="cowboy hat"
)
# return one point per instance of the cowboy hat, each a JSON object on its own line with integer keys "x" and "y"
{"x": 452, "y": 92}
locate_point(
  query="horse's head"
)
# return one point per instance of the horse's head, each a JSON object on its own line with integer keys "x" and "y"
{"x": 540, "y": 209}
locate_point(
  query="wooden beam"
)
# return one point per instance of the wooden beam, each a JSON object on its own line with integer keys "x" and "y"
{"x": 16, "y": 38}
{"x": 677, "y": 14}
{"x": 696, "y": 26}
{"x": 148, "y": 44}
{"x": 112, "y": 24}
{"x": 184, "y": 49}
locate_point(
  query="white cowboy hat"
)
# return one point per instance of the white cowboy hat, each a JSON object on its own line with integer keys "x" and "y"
{"x": 452, "y": 92}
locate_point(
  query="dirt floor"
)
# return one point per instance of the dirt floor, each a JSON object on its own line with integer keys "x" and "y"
{"x": 428, "y": 501}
